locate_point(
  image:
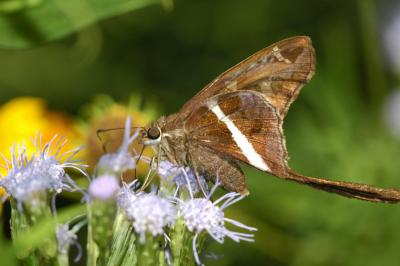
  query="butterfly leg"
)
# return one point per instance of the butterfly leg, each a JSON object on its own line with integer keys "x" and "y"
{"x": 149, "y": 176}
{"x": 198, "y": 180}
{"x": 199, "y": 184}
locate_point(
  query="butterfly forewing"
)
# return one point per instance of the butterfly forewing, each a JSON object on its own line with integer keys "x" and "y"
{"x": 243, "y": 126}
{"x": 278, "y": 72}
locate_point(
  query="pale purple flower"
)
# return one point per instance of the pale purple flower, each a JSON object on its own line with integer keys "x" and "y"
{"x": 148, "y": 212}
{"x": 67, "y": 237}
{"x": 203, "y": 215}
{"x": 104, "y": 187}
{"x": 182, "y": 177}
{"x": 127, "y": 195}
{"x": 43, "y": 171}
{"x": 167, "y": 169}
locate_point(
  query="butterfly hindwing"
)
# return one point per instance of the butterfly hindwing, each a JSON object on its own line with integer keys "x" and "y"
{"x": 241, "y": 125}
{"x": 216, "y": 167}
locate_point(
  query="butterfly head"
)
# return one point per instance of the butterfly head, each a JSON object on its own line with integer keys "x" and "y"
{"x": 152, "y": 135}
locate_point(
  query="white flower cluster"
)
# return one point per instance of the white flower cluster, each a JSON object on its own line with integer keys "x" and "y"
{"x": 151, "y": 214}
{"x": 148, "y": 212}
{"x": 44, "y": 170}
{"x": 201, "y": 214}
{"x": 181, "y": 177}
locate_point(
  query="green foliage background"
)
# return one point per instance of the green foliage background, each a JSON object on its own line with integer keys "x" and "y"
{"x": 67, "y": 51}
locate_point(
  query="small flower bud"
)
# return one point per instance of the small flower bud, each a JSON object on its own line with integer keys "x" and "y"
{"x": 104, "y": 187}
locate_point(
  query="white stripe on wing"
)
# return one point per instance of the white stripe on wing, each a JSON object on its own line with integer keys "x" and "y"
{"x": 245, "y": 146}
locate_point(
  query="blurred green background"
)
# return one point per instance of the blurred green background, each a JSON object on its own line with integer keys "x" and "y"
{"x": 69, "y": 51}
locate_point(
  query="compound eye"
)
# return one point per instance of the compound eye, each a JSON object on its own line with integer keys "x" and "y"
{"x": 153, "y": 133}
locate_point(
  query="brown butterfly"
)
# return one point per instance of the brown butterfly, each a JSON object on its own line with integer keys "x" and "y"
{"x": 238, "y": 117}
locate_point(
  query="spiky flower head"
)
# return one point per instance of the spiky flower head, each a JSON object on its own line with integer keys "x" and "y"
{"x": 182, "y": 177}
{"x": 67, "y": 237}
{"x": 43, "y": 171}
{"x": 203, "y": 215}
{"x": 127, "y": 195}
{"x": 148, "y": 213}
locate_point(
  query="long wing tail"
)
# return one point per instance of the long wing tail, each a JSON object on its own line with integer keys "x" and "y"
{"x": 348, "y": 189}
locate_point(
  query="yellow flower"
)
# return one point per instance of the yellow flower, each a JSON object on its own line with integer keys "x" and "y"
{"x": 22, "y": 118}
{"x": 104, "y": 113}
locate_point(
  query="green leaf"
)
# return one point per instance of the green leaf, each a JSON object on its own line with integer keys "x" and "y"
{"x": 24, "y": 26}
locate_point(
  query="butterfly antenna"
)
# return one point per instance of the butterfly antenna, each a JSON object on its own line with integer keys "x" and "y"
{"x": 103, "y": 145}
{"x": 102, "y": 131}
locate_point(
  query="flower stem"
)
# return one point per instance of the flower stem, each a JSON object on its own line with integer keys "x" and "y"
{"x": 63, "y": 259}
{"x": 92, "y": 249}
{"x": 35, "y": 209}
{"x": 123, "y": 250}
{"x": 19, "y": 225}
{"x": 181, "y": 245}
{"x": 100, "y": 233}
{"x": 148, "y": 252}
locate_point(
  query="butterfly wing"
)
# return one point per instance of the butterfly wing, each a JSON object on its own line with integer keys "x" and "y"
{"x": 244, "y": 126}
{"x": 278, "y": 72}
{"x": 215, "y": 166}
